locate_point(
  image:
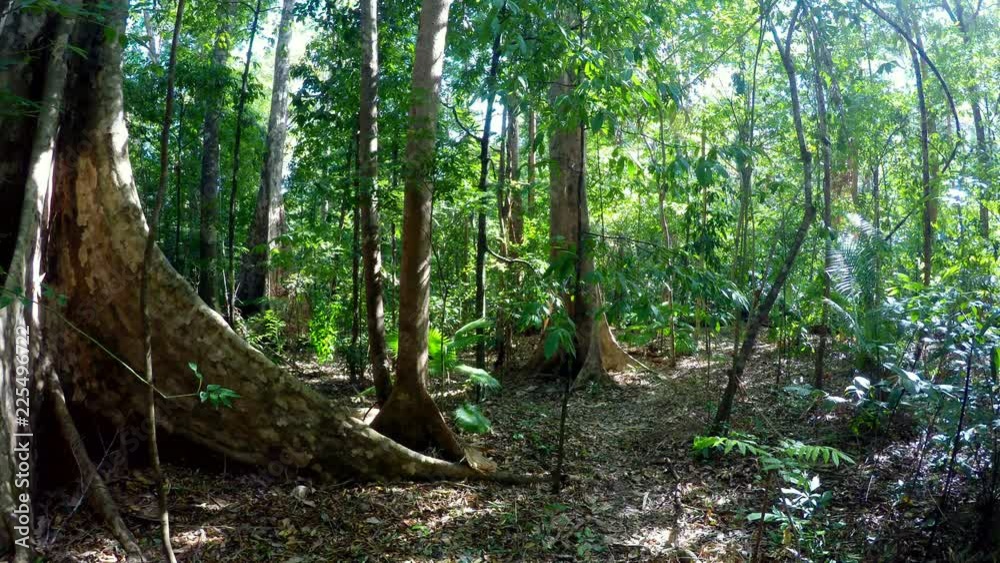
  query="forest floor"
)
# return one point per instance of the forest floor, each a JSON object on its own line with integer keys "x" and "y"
{"x": 637, "y": 490}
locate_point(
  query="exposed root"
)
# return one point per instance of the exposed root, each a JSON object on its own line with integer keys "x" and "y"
{"x": 93, "y": 486}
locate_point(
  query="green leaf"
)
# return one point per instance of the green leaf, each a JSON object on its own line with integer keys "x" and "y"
{"x": 469, "y": 418}
{"x": 478, "y": 376}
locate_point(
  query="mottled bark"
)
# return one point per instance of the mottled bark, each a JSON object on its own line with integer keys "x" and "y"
{"x": 410, "y": 416}
{"x": 29, "y": 141}
{"x": 208, "y": 240}
{"x": 82, "y": 231}
{"x": 368, "y": 165}
{"x": 257, "y": 281}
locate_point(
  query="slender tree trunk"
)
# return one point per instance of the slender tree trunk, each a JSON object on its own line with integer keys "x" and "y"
{"x": 532, "y": 126}
{"x": 354, "y": 362}
{"x": 368, "y": 168}
{"x": 965, "y": 22}
{"x": 503, "y": 201}
{"x": 763, "y": 311}
{"x": 178, "y": 258}
{"x": 668, "y": 290}
{"x": 79, "y": 200}
{"x": 826, "y": 158}
{"x": 257, "y": 279}
{"x": 514, "y": 176}
{"x": 152, "y": 37}
{"x": 925, "y": 160}
{"x": 208, "y": 267}
{"x": 484, "y": 166}
{"x": 410, "y": 415}
{"x": 147, "y": 324}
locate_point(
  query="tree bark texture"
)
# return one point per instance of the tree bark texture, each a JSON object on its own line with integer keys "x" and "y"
{"x": 82, "y": 230}
{"x": 257, "y": 278}
{"x": 368, "y": 164}
{"x": 208, "y": 240}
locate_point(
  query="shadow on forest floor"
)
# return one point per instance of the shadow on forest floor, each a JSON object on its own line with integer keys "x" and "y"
{"x": 636, "y": 491}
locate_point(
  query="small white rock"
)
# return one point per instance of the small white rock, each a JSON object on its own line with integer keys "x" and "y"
{"x": 301, "y": 492}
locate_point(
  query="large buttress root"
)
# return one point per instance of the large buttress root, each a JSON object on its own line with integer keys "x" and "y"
{"x": 93, "y": 257}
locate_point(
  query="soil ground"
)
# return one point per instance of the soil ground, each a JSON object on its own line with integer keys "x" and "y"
{"x": 637, "y": 491}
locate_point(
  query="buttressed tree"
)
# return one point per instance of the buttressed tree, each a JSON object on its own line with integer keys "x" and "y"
{"x": 81, "y": 236}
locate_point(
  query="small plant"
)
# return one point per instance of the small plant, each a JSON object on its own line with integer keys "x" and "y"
{"x": 798, "y": 511}
{"x": 443, "y": 361}
{"x": 266, "y": 331}
{"x": 213, "y": 394}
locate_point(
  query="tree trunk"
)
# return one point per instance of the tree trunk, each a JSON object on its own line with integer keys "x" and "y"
{"x": 257, "y": 282}
{"x": 208, "y": 267}
{"x": 760, "y": 316}
{"x": 354, "y": 361}
{"x": 368, "y": 165}
{"x": 484, "y": 166}
{"x": 514, "y": 176}
{"x": 149, "y": 250}
{"x": 532, "y": 126}
{"x": 410, "y": 416}
{"x": 235, "y": 180}
{"x": 81, "y": 229}
{"x": 826, "y": 158}
{"x": 925, "y": 160}
{"x": 178, "y": 257}
{"x": 965, "y": 22}
{"x": 569, "y": 221}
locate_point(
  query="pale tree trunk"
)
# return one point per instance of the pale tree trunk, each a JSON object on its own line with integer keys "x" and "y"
{"x": 759, "y": 317}
{"x": 597, "y": 351}
{"x": 208, "y": 245}
{"x": 410, "y": 416}
{"x": 514, "y": 176}
{"x": 82, "y": 231}
{"x": 368, "y": 164}
{"x": 152, "y": 37}
{"x": 532, "y": 132}
{"x": 257, "y": 279}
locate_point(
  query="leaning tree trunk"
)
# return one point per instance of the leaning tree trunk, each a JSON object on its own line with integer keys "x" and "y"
{"x": 208, "y": 245}
{"x": 82, "y": 230}
{"x": 368, "y": 168}
{"x": 410, "y": 415}
{"x": 929, "y": 207}
{"x": 257, "y": 281}
{"x": 760, "y": 316}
